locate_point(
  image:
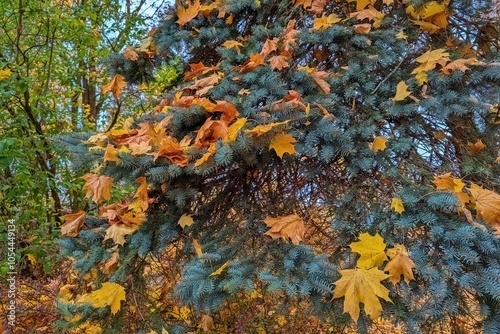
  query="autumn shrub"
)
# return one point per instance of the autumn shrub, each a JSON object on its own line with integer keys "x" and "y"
{"x": 337, "y": 156}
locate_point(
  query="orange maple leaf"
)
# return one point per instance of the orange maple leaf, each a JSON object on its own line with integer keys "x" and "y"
{"x": 487, "y": 204}
{"x": 97, "y": 186}
{"x": 400, "y": 264}
{"x": 255, "y": 61}
{"x": 115, "y": 86}
{"x": 278, "y": 62}
{"x": 185, "y": 15}
{"x": 286, "y": 227}
{"x": 210, "y": 132}
{"x": 142, "y": 193}
{"x": 171, "y": 149}
{"x": 202, "y": 86}
{"x": 269, "y": 46}
{"x": 228, "y": 110}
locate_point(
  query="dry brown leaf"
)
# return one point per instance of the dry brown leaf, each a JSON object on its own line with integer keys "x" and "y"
{"x": 363, "y": 28}
{"x": 206, "y": 323}
{"x": 400, "y": 264}
{"x": 130, "y": 54}
{"x": 475, "y": 148}
{"x": 286, "y": 227}
{"x": 117, "y": 232}
{"x": 115, "y": 86}
{"x": 112, "y": 264}
{"x": 73, "y": 223}
{"x": 171, "y": 149}
{"x": 278, "y": 62}
{"x": 98, "y": 187}
{"x": 487, "y": 204}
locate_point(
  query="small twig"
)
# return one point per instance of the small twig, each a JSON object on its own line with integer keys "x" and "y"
{"x": 115, "y": 117}
{"x": 388, "y": 76}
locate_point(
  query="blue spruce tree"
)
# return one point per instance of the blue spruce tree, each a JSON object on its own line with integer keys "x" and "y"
{"x": 297, "y": 129}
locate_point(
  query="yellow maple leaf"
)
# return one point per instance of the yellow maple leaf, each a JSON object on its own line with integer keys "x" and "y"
{"x": 401, "y": 35}
{"x": 5, "y": 74}
{"x": 282, "y": 143}
{"x": 117, "y": 232}
{"x": 400, "y": 264}
{"x": 111, "y": 154}
{"x": 31, "y": 258}
{"x": 454, "y": 185}
{"x": 401, "y": 92}
{"x": 115, "y": 86}
{"x": 379, "y": 144}
{"x": 233, "y": 130}
{"x": 281, "y": 320}
{"x": 371, "y": 14}
{"x": 181, "y": 313}
{"x": 371, "y": 250}
{"x": 97, "y": 186}
{"x": 487, "y": 204}
{"x": 221, "y": 268}
{"x": 286, "y": 227}
{"x": 324, "y": 22}
{"x": 73, "y": 223}
{"x": 210, "y": 152}
{"x": 197, "y": 247}
{"x": 232, "y": 44}
{"x": 397, "y": 205}
{"x": 185, "y": 220}
{"x": 142, "y": 193}
{"x": 361, "y": 286}
{"x": 432, "y": 56}
{"x": 262, "y": 129}
{"x": 427, "y": 26}
{"x": 185, "y": 15}
{"x": 110, "y": 294}
{"x": 133, "y": 217}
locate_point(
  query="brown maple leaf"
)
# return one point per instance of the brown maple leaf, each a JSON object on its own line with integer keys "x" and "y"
{"x": 115, "y": 86}
{"x": 73, "y": 223}
{"x": 286, "y": 227}
{"x": 278, "y": 62}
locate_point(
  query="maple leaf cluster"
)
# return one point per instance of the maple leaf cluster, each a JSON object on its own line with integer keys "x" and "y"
{"x": 363, "y": 284}
{"x": 472, "y": 198}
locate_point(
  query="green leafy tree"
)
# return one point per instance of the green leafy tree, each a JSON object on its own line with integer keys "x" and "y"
{"x": 299, "y": 127}
{"x": 51, "y": 73}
